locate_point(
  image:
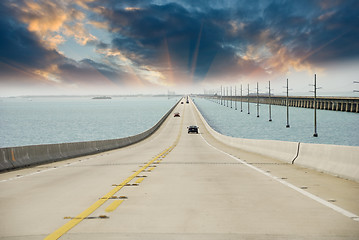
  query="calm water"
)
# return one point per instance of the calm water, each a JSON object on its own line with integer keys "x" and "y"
{"x": 34, "y": 121}
{"x": 340, "y": 128}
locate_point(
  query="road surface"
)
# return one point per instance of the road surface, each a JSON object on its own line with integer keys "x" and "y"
{"x": 175, "y": 185}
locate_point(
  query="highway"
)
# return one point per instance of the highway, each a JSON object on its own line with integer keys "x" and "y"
{"x": 175, "y": 185}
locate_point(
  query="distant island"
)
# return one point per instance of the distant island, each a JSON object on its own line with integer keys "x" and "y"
{"x": 102, "y": 97}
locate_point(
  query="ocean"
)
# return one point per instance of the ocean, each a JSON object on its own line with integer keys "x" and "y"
{"x": 338, "y": 128}
{"x": 47, "y": 120}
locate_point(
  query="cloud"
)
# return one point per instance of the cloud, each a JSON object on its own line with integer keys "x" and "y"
{"x": 285, "y": 34}
{"x": 54, "y": 18}
{"x": 21, "y": 48}
{"x": 169, "y": 43}
{"x": 26, "y": 61}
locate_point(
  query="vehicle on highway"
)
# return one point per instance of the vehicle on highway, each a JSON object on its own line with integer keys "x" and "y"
{"x": 176, "y": 114}
{"x": 193, "y": 129}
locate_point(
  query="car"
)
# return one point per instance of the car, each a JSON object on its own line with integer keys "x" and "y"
{"x": 192, "y": 129}
{"x": 176, "y": 114}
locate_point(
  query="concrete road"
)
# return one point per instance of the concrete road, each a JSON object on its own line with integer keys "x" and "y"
{"x": 176, "y": 185}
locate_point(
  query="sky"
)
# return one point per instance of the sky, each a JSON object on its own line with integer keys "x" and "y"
{"x": 70, "y": 47}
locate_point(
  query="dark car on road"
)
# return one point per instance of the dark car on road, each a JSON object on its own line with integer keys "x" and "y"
{"x": 192, "y": 129}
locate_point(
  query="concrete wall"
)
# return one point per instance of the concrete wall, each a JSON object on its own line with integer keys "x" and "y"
{"x": 17, "y": 157}
{"x": 341, "y": 161}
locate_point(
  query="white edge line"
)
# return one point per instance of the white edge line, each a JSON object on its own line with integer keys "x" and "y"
{"x": 305, "y": 193}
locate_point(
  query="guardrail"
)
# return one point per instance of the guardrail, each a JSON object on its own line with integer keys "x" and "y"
{"x": 24, "y": 156}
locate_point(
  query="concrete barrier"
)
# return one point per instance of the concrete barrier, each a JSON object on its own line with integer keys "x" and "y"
{"x": 6, "y": 160}
{"x": 281, "y": 150}
{"x": 341, "y": 161}
{"x": 17, "y": 157}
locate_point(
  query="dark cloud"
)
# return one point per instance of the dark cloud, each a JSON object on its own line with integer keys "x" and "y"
{"x": 23, "y": 55}
{"x": 335, "y": 33}
{"x": 144, "y": 29}
{"x": 314, "y": 34}
{"x": 192, "y": 39}
{"x": 106, "y": 70}
{"x": 19, "y": 47}
{"x": 199, "y": 39}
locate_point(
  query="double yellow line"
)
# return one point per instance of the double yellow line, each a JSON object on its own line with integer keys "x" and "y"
{"x": 76, "y": 220}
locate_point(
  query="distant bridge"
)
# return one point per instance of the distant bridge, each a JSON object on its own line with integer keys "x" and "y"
{"x": 344, "y": 104}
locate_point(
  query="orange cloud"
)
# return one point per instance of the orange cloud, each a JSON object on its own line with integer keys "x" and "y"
{"x": 43, "y": 16}
{"x": 51, "y": 20}
{"x": 103, "y": 25}
{"x": 81, "y": 35}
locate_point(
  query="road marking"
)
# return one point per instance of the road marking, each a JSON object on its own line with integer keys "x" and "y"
{"x": 305, "y": 193}
{"x": 73, "y": 222}
{"x": 113, "y": 205}
{"x": 139, "y": 180}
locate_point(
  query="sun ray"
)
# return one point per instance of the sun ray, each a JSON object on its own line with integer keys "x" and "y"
{"x": 169, "y": 63}
{"x": 195, "y": 55}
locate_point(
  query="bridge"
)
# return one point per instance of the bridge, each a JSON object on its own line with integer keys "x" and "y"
{"x": 343, "y": 104}
{"x": 175, "y": 185}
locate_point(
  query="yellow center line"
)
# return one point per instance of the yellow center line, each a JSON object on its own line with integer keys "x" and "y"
{"x": 113, "y": 205}
{"x": 73, "y": 222}
{"x": 139, "y": 180}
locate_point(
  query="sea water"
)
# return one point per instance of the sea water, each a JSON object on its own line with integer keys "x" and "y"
{"x": 339, "y": 128}
{"x": 41, "y": 120}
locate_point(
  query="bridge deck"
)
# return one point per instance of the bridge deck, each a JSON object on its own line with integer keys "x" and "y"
{"x": 175, "y": 185}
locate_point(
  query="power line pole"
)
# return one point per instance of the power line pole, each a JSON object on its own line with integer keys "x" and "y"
{"x": 315, "y": 105}
{"x": 270, "y": 103}
{"x": 241, "y": 99}
{"x": 287, "y": 102}
{"x": 235, "y": 97}
{"x": 257, "y": 100}
{"x": 231, "y": 97}
{"x": 221, "y": 95}
{"x": 227, "y": 95}
{"x": 248, "y": 100}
